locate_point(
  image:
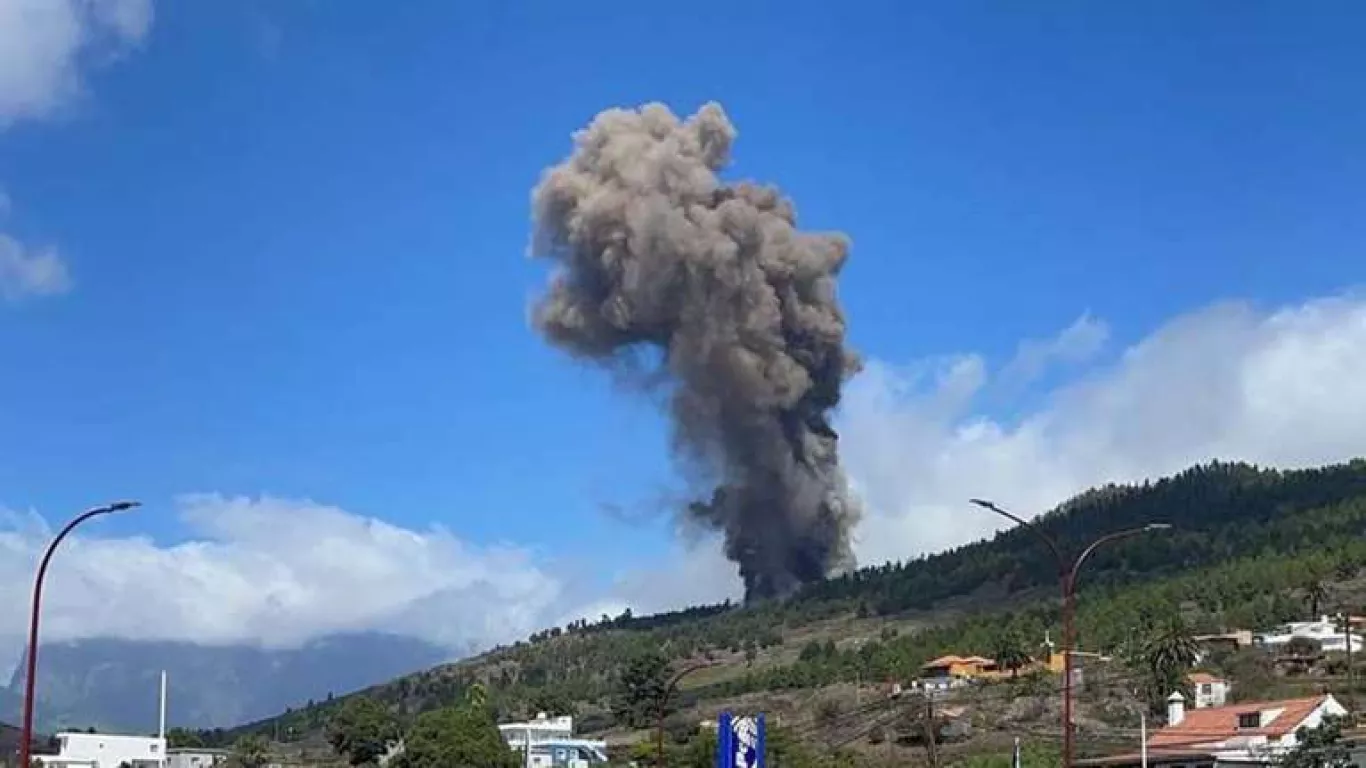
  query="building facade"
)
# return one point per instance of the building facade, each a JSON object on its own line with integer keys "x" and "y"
{"x": 195, "y": 757}
{"x": 105, "y": 750}
{"x": 1249, "y": 734}
{"x": 548, "y": 742}
{"x": 1210, "y": 691}
{"x": 1323, "y": 631}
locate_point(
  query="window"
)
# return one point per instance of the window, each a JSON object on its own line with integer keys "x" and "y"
{"x": 1206, "y": 689}
{"x": 1249, "y": 719}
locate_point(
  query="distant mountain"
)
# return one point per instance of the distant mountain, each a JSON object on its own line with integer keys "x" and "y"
{"x": 112, "y": 684}
{"x": 9, "y": 739}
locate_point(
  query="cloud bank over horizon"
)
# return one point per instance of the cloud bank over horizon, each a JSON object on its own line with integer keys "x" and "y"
{"x": 1284, "y": 387}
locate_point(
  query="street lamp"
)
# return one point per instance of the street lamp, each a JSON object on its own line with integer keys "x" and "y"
{"x": 664, "y": 705}
{"x": 1068, "y": 575}
{"x": 26, "y": 736}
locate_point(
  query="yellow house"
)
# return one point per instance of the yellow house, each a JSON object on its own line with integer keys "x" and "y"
{"x": 960, "y": 667}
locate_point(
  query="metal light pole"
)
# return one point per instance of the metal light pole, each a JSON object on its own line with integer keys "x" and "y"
{"x": 1067, "y": 573}
{"x": 664, "y": 706}
{"x": 26, "y": 737}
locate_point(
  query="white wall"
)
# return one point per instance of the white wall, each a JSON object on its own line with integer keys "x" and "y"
{"x": 188, "y": 758}
{"x": 1314, "y": 720}
{"x": 106, "y": 750}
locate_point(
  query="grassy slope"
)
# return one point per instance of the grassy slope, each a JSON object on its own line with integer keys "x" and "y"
{"x": 1222, "y": 512}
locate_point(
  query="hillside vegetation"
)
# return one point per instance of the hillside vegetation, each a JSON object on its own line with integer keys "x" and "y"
{"x": 1249, "y": 548}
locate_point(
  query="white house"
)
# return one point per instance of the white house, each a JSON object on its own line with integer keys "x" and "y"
{"x": 1251, "y": 734}
{"x": 1210, "y": 691}
{"x": 105, "y": 750}
{"x": 542, "y": 728}
{"x": 1324, "y": 631}
{"x": 548, "y": 742}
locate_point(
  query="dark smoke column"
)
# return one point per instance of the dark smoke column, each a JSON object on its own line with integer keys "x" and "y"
{"x": 657, "y": 255}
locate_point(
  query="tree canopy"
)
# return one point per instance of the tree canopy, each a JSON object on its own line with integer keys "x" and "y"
{"x": 362, "y": 730}
{"x": 456, "y": 737}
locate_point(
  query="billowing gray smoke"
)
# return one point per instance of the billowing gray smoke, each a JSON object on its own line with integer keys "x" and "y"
{"x": 657, "y": 254}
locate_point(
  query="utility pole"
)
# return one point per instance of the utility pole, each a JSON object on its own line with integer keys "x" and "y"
{"x": 1346, "y": 618}
{"x": 1143, "y": 739}
{"x": 931, "y": 748}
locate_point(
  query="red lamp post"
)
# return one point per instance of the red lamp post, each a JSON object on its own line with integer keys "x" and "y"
{"x": 664, "y": 704}
{"x": 1067, "y": 574}
{"x": 31, "y": 661}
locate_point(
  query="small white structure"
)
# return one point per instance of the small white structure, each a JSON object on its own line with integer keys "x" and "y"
{"x": 1324, "y": 631}
{"x": 105, "y": 750}
{"x": 1210, "y": 691}
{"x": 541, "y": 729}
{"x": 548, "y": 742}
{"x": 195, "y": 757}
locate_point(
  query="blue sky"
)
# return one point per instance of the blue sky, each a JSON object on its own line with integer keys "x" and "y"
{"x": 295, "y": 233}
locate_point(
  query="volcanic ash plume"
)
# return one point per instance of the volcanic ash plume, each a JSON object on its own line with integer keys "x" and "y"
{"x": 657, "y": 254}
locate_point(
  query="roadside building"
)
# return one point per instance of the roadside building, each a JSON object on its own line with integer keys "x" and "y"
{"x": 549, "y": 742}
{"x": 105, "y": 750}
{"x": 1210, "y": 691}
{"x": 195, "y": 757}
{"x": 1248, "y": 734}
{"x": 1324, "y": 631}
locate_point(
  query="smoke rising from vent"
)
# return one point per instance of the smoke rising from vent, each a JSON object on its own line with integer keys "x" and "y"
{"x": 655, "y": 253}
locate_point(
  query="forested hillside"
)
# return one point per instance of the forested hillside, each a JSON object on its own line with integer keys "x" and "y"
{"x": 1249, "y": 547}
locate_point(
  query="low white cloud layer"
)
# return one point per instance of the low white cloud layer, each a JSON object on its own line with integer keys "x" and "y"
{"x": 1284, "y": 387}
{"x": 45, "y": 43}
{"x": 275, "y": 571}
{"x": 26, "y": 271}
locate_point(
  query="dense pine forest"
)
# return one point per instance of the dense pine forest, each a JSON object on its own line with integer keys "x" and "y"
{"x": 1249, "y": 548}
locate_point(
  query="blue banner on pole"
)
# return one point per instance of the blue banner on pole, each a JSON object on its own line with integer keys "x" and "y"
{"x": 740, "y": 741}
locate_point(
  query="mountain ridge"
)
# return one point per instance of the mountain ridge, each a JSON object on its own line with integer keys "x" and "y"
{"x": 1222, "y": 512}
{"x": 113, "y": 683}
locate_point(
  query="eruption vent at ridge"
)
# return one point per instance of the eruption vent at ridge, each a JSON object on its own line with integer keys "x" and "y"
{"x": 655, "y": 254}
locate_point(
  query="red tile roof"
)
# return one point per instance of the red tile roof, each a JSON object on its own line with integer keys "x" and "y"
{"x": 1203, "y": 677}
{"x": 1216, "y": 724}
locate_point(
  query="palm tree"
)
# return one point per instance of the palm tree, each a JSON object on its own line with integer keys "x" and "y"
{"x": 1316, "y": 592}
{"x": 1168, "y": 654}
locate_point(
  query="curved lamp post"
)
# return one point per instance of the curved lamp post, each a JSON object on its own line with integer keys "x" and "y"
{"x": 664, "y": 706}
{"x": 26, "y": 737}
{"x": 1067, "y": 573}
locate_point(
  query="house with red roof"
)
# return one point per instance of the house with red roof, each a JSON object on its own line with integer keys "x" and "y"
{"x": 1247, "y": 734}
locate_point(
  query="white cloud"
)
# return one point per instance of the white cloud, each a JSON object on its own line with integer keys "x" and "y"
{"x": 28, "y": 271}
{"x": 1077, "y": 343}
{"x": 43, "y": 44}
{"x": 1284, "y": 388}
{"x": 276, "y": 572}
